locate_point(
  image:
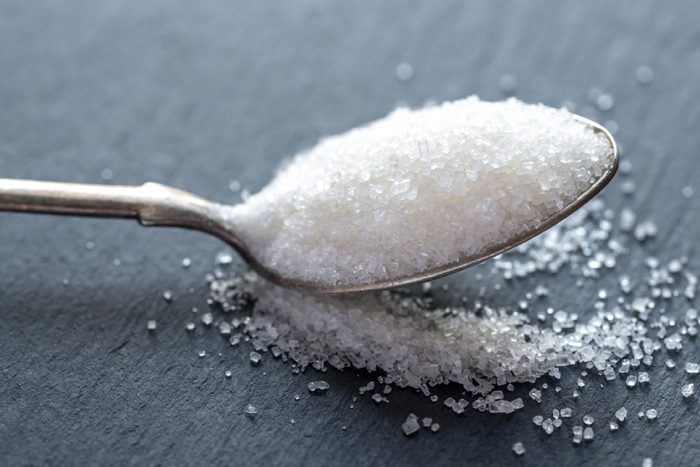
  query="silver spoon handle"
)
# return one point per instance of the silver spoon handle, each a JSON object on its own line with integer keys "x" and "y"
{"x": 151, "y": 203}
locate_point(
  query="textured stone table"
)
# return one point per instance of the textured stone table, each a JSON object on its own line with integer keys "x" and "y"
{"x": 195, "y": 94}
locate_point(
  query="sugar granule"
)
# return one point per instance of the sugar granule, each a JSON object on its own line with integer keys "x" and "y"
{"x": 411, "y": 425}
{"x": 417, "y": 346}
{"x": 688, "y": 390}
{"x": 318, "y": 387}
{"x": 419, "y": 189}
{"x": 518, "y": 449}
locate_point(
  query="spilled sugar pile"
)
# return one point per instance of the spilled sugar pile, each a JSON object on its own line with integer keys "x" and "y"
{"x": 410, "y": 341}
{"x": 417, "y": 345}
{"x": 420, "y": 189}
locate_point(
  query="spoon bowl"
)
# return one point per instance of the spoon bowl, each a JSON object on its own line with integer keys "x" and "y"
{"x": 153, "y": 204}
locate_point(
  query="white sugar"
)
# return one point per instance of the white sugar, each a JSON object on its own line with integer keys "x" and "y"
{"x": 318, "y": 387}
{"x": 420, "y": 189}
{"x": 411, "y": 425}
{"x": 518, "y": 449}
{"x": 416, "y": 346}
{"x": 688, "y": 390}
{"x": 251, "y": 411}
{"x": 692, "y": 368}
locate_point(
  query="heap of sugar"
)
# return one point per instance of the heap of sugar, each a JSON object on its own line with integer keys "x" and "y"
{"x": 415, "y": 346}
{"x": 420, "y": 189}
{"x": 481, "y": 346}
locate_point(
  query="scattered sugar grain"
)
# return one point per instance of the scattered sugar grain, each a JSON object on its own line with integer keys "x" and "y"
{"x": 207, "y": 319}
{"x": 577, "y": 434}
{"x": 518, "y": 449}
{"x": 644, "y": 75}
{"x": 251, "y": 411}
{"x": 621, "y": 414}
{"x": 318, "y": 387}
{"x": 548, "y": 426}
{"x": 411, "y": 425}
{"x": 625, "y": 166}
{"x": 605, "y": 102}
{"x": 692, "y": 368}
{"x": 255, "y": 358}
{"x": 404, "y": 71}
{"x": 224, "y": 258}
{"x": 507, "y": 84}
{"x": 234, "y": 185}
{"x": 151, "y": 325}
{"x": 688, "y": 390}
{"x": 224, "y": 328}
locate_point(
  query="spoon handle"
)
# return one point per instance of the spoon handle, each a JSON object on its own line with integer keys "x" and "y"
{"x": 151, "y": 203}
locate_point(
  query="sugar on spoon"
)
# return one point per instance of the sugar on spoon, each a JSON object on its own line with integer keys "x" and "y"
{"x": 153, "y": 204}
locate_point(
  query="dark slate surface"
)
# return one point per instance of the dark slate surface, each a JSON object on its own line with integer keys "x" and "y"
{"x": 195, "y": 94}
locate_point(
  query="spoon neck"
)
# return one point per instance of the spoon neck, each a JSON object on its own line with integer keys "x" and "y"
{"x": 152, "y": 204}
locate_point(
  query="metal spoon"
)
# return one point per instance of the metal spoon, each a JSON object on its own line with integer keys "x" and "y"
{"x": 158, "y": 205}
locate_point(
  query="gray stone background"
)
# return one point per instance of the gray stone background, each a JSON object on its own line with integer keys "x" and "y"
{"x": 196, "y": 94}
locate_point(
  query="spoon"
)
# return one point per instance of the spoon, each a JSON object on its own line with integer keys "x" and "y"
{"x": 153, "y": 204}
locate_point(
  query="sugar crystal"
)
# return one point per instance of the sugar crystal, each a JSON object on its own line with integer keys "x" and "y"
{"x": 251, "y": 411}
{"x": 692, "y": 368}
{"x": 621, "y": 414}
{"x": 255, "y": 358}
{"x": 688, "y": 390}
{"x": 411, "y": 425}
{"x": 318, "y": 387}
{"x": 518, "y": 449}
